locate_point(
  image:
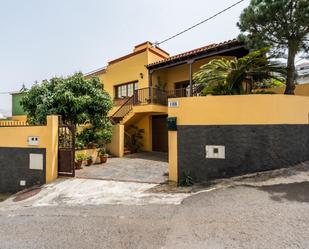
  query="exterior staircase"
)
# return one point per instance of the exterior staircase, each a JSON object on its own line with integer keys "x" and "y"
{"x": 143, "y": 96}
{"x": 123, "y": 111}
{"x": 127, "y": 151}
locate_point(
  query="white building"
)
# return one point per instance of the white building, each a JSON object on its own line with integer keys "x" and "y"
{"x": 302, "y": 73}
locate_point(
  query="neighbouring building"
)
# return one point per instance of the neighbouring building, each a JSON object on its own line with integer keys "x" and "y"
{"x": 302, "y": 73}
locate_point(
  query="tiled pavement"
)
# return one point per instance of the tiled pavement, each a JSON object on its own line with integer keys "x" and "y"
{"x": 145, "y": 167}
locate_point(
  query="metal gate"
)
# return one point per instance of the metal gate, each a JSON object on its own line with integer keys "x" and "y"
{"x": 66, "y": 150}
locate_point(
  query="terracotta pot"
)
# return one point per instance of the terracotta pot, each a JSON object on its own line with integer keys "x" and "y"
{"x": 103, "y": 159}
{"x": 91, "y": 146}
{"x": 89, "y": 162}
{"x": 78, "y": 164}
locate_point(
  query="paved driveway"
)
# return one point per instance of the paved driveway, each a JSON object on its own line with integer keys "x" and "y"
{"x": 145, "y": 167}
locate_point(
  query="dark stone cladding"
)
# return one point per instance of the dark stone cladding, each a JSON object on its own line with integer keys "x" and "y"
{"x": 14, "y": 166}
{"x": 248, "y": 149}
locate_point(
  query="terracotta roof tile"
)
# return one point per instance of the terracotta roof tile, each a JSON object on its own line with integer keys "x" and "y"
{"x": 196, "y": 51}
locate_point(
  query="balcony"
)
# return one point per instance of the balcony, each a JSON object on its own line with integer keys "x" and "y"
{"x": 152, "y": 95}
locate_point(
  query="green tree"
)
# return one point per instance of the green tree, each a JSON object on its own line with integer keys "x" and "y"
{"x": 282, "y": 24}
{"x": 76, "y": 99}
{"x": 238, "y": 76}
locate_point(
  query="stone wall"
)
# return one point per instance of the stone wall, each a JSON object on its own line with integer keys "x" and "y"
{"x": 248, "y": 149}
{"x": 15, "y": 169}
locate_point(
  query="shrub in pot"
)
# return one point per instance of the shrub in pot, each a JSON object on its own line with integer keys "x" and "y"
{"x": 136, "y": 136}
{"x": 79, "y": 160}
{"x": 103, "y": 155}
{"x": 89, "y": 160}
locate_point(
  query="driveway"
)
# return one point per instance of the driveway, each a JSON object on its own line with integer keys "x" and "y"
{"x": 151, "y": 167}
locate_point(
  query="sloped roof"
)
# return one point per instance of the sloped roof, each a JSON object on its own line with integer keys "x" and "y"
{"x": 210, "y": 47}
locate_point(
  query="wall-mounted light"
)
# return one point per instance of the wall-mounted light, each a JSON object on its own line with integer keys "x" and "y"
{"x": 141, "y": 75}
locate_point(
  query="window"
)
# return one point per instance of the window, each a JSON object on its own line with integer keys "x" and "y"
{"x": 125, "y": 90}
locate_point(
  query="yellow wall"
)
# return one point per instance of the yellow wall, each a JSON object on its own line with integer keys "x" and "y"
{"x": 235, "y": 110}
{"x": 241, "y": 109}
{"x": 22, "y": 118}
{"x": 116, "y": 147}
{"x": 145, "y": 123}
{"x": 129, "y": 69}
{"x": 48, "y": 135}
{"x": 89, "y": 152}
{"x": 125, "y": 71}
{"x": 301, "y": 90}
{"x": 172, "y": 156}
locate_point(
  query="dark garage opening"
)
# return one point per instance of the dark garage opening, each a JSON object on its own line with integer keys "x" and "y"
{"x": 159, "y": 133}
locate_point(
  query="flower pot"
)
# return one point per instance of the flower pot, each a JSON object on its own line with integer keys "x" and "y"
{"x": 103, "y": 159}
{"x": 78, "y": 164}
{"x": 91, "y": 146}
{"x": 89, "y": 162}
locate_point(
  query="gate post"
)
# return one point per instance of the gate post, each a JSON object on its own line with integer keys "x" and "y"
{"x": 52, "y": 149}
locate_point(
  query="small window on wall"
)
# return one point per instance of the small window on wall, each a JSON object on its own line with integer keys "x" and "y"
{"x": 125, "y": 90}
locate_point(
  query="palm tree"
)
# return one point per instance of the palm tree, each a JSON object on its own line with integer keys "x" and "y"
{"x": 239, "y": 76}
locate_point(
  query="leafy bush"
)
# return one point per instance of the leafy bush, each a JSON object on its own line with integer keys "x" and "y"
{"x": 239, "y": 76}
{"x": 76, "y": 99}
{"x": 79, "y": 144}
{"x": 80, "y": 157}
{"x": 97, "y": 137}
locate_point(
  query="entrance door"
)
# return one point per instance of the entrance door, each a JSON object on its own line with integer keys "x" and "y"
{"x": 159, "y": 133}
{"x": 66, "y": 150}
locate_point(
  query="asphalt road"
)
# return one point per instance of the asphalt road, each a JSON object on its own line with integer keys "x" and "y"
{"x": 272, "y": 216}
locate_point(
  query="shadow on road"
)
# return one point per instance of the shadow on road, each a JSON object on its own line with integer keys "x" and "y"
{"x": 292, "y": 191}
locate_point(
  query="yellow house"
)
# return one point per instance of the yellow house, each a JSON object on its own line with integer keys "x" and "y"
{"x": 141, "y": 82}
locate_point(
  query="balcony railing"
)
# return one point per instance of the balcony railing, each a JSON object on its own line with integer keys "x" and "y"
{"x": 150, "y": 95}
{"x": 178, "y": 93}
{"x": 146, "y": 96}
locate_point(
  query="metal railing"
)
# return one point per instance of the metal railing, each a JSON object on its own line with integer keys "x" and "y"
{"x": 185, "y": 92}
{"x": 146, "y": 96}
{"x": 122, "y": 111}
{"x": 150, "y": 95}
{"x": 177, "y": 93}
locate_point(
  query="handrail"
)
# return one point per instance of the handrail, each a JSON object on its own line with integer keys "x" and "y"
{"x": 123, "y": 110}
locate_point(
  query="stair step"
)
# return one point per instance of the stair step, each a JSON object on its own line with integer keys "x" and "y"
{"x": 127, "y": 152}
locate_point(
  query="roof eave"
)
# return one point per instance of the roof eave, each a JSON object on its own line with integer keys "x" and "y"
{"x": 197, "y": 56}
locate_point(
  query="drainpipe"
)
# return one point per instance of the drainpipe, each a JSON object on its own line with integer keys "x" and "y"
{"x": 150, "y": 72}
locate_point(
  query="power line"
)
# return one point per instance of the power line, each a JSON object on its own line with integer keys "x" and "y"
{"x": 195, "y": 25}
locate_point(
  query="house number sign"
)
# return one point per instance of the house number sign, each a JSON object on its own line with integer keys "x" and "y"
{"x": 173, "y": 104}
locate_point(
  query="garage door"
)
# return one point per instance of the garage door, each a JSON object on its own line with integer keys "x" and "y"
{"x": 159, "y": 133}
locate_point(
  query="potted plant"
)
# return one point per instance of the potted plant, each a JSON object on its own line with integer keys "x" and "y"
{"x": 136, "y": 136}
{"x": 89, "y": 160}
{"x": 79, "y": 160}
{"x": 103, "y": 155}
